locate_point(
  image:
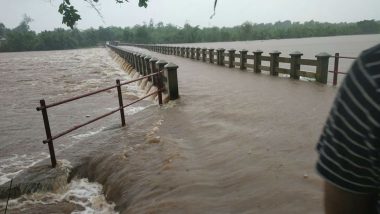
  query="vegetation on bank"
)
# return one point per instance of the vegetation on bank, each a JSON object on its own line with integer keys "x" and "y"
{"x": 22, "y": 38}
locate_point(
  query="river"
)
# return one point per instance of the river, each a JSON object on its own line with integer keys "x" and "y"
{"x": 236, "y": 142}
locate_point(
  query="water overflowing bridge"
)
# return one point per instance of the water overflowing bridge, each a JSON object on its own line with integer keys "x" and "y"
{"x": 239, "y": 142}
{"x": 236, "y": 141}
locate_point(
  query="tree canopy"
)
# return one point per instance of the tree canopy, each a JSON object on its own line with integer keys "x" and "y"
{"x": 22, "y": 38}
{"x": 70, "y": 15}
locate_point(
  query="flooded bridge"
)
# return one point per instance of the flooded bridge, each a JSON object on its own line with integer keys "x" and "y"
{"x": 235, "y": 141}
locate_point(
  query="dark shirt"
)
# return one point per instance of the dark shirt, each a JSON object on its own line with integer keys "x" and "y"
{"x": 349, "y": 147}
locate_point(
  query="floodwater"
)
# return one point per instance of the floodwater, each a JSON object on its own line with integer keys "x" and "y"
{"x": 236, "y": 142}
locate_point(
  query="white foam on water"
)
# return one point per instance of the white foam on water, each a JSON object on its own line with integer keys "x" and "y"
{"x": 134, "y": 110}
{"x": 88, "y": 134}
{"x": 88, "y": 195}
{"x": 12, "y": 166}
{"x": 130, "y": 110}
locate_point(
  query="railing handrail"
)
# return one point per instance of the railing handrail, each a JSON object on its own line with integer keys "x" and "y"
{"x": 147, "y": 68}
{"x": 43, "y": 107}
{"x": 344, "y": 57}
{"x": 94, "y": 92}
{"x": 98, "y": 118}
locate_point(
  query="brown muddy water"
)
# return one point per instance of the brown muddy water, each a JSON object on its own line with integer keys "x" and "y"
{"x": 236, "y": 142}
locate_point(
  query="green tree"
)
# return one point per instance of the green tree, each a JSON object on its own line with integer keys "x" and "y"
{"x": 368, "y": 26}
{"x": 20, "y": 38}
{"x": 70, "y": 15}
{"x": 2, "y": 30}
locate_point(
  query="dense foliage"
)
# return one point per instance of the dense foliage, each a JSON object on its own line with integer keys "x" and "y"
{"x": 70, "y": 15}
{"x": 22, "y": 38}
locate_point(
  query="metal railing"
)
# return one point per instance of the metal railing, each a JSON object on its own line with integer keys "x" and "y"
{"x": 336, "y": 71}
{"x": 157, "y": 77}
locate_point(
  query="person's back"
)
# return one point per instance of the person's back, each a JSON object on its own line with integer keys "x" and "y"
{"x": 349, "y": 146}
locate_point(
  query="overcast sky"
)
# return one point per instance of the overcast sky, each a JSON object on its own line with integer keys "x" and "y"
{"x": 195, "y": 12}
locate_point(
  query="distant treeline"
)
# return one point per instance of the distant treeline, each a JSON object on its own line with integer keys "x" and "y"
{"x": 22, "y": 38}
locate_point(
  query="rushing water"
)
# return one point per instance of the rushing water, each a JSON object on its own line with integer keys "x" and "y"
{"x": 236, "y": 142}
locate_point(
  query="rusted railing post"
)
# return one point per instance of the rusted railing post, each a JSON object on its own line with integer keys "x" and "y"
{"x": 153, "y": 68}
{"x": 243, "y": 59}
{"x": 48, "y": 133}
{"x": 192, "y": 53}
{"x": 336, "y": 69}
{"x": 160, "y": 65}
{"x": 257, "y": 61}
{"x": 231, "y": 58}
{"x": 172, "y": 81}
{"x": 295, "y": 64}
{"x": 211, "y": 55}
{"x": 322, "y": 67}
{"x": 120, "y": 96}
{"x": 198, "y": 54}
{"x": 204, "y": 54}
{"x": 274, "y": 63}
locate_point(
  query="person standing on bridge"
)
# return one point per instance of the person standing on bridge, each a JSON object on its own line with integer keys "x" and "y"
{"x": 349, "y": 146}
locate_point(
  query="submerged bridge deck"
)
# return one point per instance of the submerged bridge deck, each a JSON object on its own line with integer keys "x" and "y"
{"x": 245, "y": 142}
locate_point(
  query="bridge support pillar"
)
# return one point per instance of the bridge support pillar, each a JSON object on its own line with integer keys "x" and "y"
{"x": 295, "y": 64}
{"x": 231, "y": 58}
{"x": 211, "y": 55}
{"x": 198, "y": 53}
{"x": 192, "y": 53}
{"x": 257, "y": 61}
{"x": 322, "y": 67}
{"x": 172, "y": 81}
{"x": 204, "y": 54}
{"x": 187, "y": 52}
{"x": 243, "y": 59}
{"x": 274, "y": 63}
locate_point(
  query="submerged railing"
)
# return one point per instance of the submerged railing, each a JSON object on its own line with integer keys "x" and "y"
{"x": 245, "y": 61}
{"x": 161, "y": 74}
